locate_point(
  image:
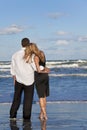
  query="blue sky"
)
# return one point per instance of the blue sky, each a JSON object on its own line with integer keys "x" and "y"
{"x": 58, "y": 27}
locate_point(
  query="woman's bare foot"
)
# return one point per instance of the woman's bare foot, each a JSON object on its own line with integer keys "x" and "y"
{"x": 41, "y": 117}
{"x": 45, "y": 117}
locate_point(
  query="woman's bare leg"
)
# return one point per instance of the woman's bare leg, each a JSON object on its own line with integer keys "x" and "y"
{"x": 45, "y": 102}
{"x": 42, "y": 102}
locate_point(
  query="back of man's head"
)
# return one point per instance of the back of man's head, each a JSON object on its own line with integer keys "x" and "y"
{"x": 25, "y": 42}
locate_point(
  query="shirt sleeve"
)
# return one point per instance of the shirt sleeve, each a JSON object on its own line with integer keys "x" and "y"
{"x": 12, "y": 70}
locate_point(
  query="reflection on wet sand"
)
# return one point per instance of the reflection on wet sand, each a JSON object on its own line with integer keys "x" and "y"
{"x": 43, "y": 125}
{"x": 25, "y": 126}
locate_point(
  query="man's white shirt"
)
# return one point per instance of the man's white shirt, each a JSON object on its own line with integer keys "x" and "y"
{"x": 23, "y": 71}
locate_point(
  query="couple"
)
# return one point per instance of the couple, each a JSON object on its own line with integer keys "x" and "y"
{"x": 28, "y": 68}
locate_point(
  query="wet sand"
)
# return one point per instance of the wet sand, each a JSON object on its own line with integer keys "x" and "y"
{"x": 61, "y": 116}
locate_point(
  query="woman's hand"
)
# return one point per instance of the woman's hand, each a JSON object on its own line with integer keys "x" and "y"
{"x": 47, "y": 70}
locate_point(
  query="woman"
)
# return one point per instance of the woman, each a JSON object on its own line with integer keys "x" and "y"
{"x": 41, "y": 76}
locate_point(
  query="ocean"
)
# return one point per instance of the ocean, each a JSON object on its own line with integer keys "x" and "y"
{"x": 67, "y": 80}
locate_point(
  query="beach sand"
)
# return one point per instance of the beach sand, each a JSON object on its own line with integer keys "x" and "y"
{"x": 61, "y": 116}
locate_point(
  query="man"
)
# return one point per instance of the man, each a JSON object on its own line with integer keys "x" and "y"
{"x": 23, "y": 75}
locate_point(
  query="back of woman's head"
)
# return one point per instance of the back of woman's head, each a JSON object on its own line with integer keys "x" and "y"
{"x": 34, "y": 49}
{"x": 28, "y": 51}
{"x": 37, "y": 52}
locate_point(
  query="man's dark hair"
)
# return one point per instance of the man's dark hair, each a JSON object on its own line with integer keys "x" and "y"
{"x": 25, "y": 42}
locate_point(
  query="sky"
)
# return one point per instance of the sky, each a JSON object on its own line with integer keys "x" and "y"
{"x": 58, "y": 27}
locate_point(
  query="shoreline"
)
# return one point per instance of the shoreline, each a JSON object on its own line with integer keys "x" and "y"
{"x": 55, "y": 102}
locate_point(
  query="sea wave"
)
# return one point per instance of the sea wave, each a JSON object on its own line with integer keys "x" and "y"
{"x": 5, "y": 76}
{"x": 5, "y": 65}
{"x": 52, "y": 75}
{"x": 63, "y": 66}
{"x": 4, "y": 70}
{"x": 67, "y": 64}
{"x": 63, "y": 75}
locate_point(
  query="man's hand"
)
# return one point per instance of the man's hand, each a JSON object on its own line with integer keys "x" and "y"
{"x": 14, "y": 78}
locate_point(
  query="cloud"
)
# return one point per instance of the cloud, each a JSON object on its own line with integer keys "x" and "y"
{"x": 62, "y": 33}
{"x": 13, "y": 29}
{"x": 55, "y": 15}
{"x": 62, "y": 42}
{"x": 82, "y": 39}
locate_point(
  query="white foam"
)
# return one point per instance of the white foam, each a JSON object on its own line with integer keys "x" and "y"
{"x": 61, "y": 75}
{"x": 5, "y": 76}
{"x": 5, "y": 66}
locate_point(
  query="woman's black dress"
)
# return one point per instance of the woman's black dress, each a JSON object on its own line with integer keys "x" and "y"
{"x": 42, "y": 82}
